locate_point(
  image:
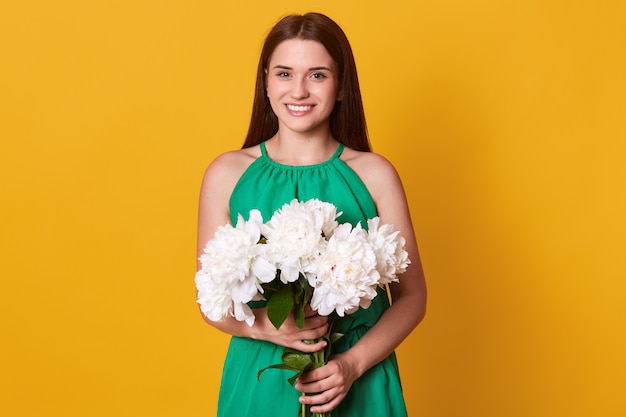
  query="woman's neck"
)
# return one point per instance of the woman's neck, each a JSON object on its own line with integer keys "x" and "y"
{"x": 301, "y": 149}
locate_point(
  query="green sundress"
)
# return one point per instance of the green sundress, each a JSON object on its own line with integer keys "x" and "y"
{"x": 267, "y": 185}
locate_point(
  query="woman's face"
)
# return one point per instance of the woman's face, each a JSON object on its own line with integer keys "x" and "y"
{"x": 302, "y": 86}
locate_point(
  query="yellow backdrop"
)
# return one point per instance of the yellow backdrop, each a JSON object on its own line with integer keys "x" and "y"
{"x": 505, "y": 119}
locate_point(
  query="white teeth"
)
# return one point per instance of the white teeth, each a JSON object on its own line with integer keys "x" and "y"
{"x": 298, "y": 108}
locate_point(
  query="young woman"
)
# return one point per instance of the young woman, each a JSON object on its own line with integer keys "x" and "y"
{"x": 308, "y": 139}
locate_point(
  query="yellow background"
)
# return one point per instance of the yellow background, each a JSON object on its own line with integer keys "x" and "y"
{"x": 506, "y": 120}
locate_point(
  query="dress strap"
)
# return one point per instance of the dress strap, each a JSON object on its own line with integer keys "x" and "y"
{"x": 335, "y": 155}
{"x": 338, "y": 151}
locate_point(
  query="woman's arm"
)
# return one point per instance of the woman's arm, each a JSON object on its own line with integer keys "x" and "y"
{"x": 218, "y": 183}
{"x": 334, "y": 380}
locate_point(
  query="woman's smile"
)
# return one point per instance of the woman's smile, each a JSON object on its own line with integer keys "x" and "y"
{"x": 299, "y": 110}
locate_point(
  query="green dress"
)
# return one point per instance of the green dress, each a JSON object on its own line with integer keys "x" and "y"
{"x": 267, "y": 185}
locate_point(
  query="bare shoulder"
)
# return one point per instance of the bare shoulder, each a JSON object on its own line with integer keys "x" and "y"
{"x": 229, "y": 166}
{"x": 359, "y": 160}
{"x": 222, "y": 175}
{"x": 377, "y": 173}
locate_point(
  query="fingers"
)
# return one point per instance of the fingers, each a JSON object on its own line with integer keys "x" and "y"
{"x": 315, "y": 321}
{"x": 309, "y": 312}
{"x": 290, "y": 335}
{"x": 317, "y": 380}
{"x": 305, "y": 347}
{"x": 311, "y": 322}
{"x": 314, "y": 327}
{"x": 323, "y": 402}
{"x": 301, "y": 339}
{"x": 327, "y": 386}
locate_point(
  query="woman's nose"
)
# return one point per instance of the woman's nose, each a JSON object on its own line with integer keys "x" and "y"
{"x": 300, "y": 90}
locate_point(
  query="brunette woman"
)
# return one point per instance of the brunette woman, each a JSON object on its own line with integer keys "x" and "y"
{"x": 308, "y": 139}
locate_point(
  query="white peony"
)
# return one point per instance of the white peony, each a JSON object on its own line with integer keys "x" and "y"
{"x": 215, "y": 301}
{"x": 346, "y": 274}
{"x": 388, "y": 245}
{"x": 294, "y": 239}
{"x": 231, "y": 267}
{"x": 325, "y": 215}
{"x": 343, "y": 264}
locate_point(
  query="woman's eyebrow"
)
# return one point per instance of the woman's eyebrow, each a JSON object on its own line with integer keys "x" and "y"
{"x": 310, "y": 69}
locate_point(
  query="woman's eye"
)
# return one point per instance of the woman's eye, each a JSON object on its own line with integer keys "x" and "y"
{"x": 282, "y": 74}
{"x": 318, "y": 76}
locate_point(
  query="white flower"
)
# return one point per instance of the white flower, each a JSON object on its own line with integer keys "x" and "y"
{"x": 325, "y": 215}
{"x": 294, "y": 239}
{"x": 215, "y": 302}
{"x": 343, "y": 264}
{"x": 231, "y": 270}
{"x": 346, "y": 275}
{"x": 388, "y": 245}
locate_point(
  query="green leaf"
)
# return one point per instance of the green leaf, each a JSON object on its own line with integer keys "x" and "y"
{"x": 294, "y": 378}
{"x": 335, "y": 336}
{"x": 280, "y": 305}
{"x": 276, "y": 366}
{"x": 302, "y": 293}
{"x": 298, "y": 315}
{"x": 305, "y": 291}
{"x": 299, "y": 288}
{"x": 296, "y": 359}
{"x": 293, "y": 360}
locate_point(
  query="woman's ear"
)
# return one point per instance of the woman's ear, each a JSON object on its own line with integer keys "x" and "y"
{"x": 340, "y": 95}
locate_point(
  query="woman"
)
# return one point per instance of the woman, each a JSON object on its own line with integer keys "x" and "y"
{"x": 308, "y": 139}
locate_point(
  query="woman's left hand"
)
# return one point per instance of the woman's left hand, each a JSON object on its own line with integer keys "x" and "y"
{"x": 328, "y": 385}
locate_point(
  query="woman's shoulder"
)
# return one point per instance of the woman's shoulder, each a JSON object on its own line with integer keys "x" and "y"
{"x": 227, "y": 167}
{"x": 377, "y": 173}
{"x": 367, "y": 164}
{"x": 233, "y": 161}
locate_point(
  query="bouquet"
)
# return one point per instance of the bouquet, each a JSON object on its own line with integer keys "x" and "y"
{"x": 302, "y": 256}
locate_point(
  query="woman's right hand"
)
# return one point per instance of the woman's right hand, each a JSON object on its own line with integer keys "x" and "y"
{"x": 290, "y": 335}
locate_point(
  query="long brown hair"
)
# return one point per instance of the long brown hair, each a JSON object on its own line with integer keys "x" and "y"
{"x": 347, "y": 120}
